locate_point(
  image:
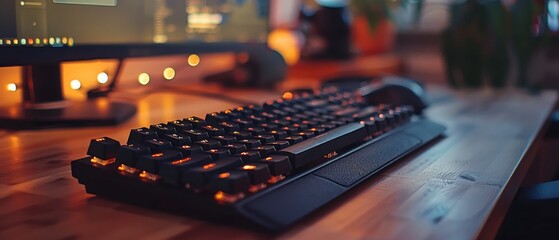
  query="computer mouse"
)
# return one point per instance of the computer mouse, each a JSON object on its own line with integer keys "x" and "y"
{"x": 393, "y": 90}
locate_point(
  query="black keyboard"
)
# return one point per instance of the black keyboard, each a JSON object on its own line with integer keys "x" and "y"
{"x": 271, "y": 164}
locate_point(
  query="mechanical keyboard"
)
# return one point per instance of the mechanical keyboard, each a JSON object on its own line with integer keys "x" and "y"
{"x": 269, "y": 164}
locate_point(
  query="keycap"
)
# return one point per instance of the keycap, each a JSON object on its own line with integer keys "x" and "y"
{"x": 162, "y": 129}
{"x": 293, "y": 139}
{"x": 103, "y": 148}
{"x": 188, "y": 149}
{"x": 315, "y": 148}
{"x": 365, "y": 113}
{"x": 277, "y": 164}
{"x": 235, "y": 148}
{"x": 180, "y": 125}
{"x": 241, "y": 134}
{"x": 129, "y": 154}
{"x": 195, "y": 134}
{"x": 217, "y": 153}
{"x": 208, "y": 143}
{"x": 256, "y": 130}
{"x": 198, "y": 177}
{"x": 265, "y": 150}
{"x": 225, "y": 139}
{"x": 250, "y": 143}
{"x": 257, "y": 172}
{"x": 230, "y": 182}
{"x": 229, "y": 126}
{"x": 156, "y": 145}
{"x": 278, "y": 145}
{"x": 371, "y": 126}
{"x": 140, "y": 135}
{"x": 305, "y": 135}
{"x": 278, "y": 134}
{"x": 212, "y": 130}
{"x": 195, "y": 121}
{"x": 150, "y": 163}
{"x": 216, "y": 117}
{"x": 265, "y": 138}
{"x": 250, "y": 155}
{"x": 173, "y": 172}
{"x": 177, "y": 139}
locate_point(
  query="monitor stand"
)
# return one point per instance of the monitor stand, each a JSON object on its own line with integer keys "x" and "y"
{"x": 44, "y": 105}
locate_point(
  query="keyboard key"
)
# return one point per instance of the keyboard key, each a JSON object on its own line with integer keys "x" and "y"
{"x": 229, "y": 126}
{"x": 316, "y": 130}
{"x": 315, "y": 148}
{"x": 177, "y": 139}
{"x": 269, "y": 126}
{"x": 256, "y": 130}
{"x": 258, "y": 173}
{"x": 188, "y": 149}
{"x": 217, "y": 153}
{"x": 250, "y": 143}
{"x": 214, "y": 118}
{"x": 195, "y": 121}
{"x": 265, "y": 150}
{"x": 103, "y": 148}
{"x": 129, "y": 154}
{"x": 235, "y": 148}
{"x": 249, "y": 156}
{"x": 198, "y": 177}
{"x": 180, "y": 125}
{"x": 278, "y": 145}
{"x": 173, "y": 172}
{"x": 213, "y": 131}
{"x": 243, "y": 123}
{"x": 230, "y": 182}
{"x": 196, "y": 135}
{"x": 225, "y": 139}
{"x": 290, "y": 130}
{"x": 277, "y": 164}
{"x": 241, "y": 134}
{"x": 150, "y": 163}
{"x": 293, "y": 139}
{"x": 156, "y": 145}
{"x": 365, "y": 113}
{"x": 162, "y": 129}
{"x": 140, "y": 135}
{"x": 278, "y": 134}
{"x": 306, "y": 135}
{"x": 380, "y": 122}
{"x": 256, "y": 119}
{"x": 265, "y": 138}
{"x": 232, "y": 114}
{"x": 208, "y": 143}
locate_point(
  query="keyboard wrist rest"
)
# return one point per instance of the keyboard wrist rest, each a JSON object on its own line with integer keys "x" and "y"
{"x": 276, "y": 211}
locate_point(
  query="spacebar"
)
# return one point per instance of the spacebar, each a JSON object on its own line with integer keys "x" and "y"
{"x": 315, "y": 148}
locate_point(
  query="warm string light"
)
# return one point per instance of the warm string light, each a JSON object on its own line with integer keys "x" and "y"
{"x": 102, "y": 77}
{"x": 143, "y": 78}
{"x": 169, "y": 73}
{"x": 11, "y": 87}
{"x": 75, "y": 84}
{"x": 193, "y": 60}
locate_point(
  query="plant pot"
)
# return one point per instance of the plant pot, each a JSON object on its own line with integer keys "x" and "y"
{"x": 373, "y": 40}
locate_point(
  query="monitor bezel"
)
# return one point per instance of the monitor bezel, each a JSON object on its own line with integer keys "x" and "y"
{"x": 30, "y": 55}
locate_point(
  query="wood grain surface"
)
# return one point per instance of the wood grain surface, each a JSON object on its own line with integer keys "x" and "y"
{"x": 458, "y": 188}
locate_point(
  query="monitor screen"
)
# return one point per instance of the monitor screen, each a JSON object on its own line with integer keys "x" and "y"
{"x": 125, "y": 28}
{"x": 41, "y": 34}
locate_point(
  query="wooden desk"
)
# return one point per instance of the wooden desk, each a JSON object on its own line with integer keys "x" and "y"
{"x": 459, "y": 188}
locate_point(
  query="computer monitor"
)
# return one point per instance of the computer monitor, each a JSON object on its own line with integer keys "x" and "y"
{"x": 40, "y": 34}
